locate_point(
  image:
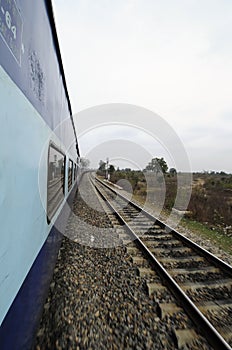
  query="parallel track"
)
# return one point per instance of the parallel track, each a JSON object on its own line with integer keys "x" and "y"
{"x": 201, "y": 282}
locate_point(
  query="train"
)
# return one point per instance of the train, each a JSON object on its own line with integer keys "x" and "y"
{"x": 39, "y": 164}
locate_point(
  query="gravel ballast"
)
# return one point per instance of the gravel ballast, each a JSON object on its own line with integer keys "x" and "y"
{"x": 96, "y": 298}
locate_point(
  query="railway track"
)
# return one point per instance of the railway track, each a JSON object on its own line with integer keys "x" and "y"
{"x": 200, "y": 281}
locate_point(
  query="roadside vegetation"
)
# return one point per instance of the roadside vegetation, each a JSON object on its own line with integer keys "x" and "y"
{"x": 217, "y": 236}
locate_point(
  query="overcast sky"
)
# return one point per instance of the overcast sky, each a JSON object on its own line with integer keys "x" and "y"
{"x": 173, "y": 57}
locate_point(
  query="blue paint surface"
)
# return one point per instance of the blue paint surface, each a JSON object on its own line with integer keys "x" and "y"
{"x": 24, "y": 229}
{"x": 11, "y": 27}
{"x": 24, "y": 315}
{"x": 23, "y": 219}
{"x": 39, "y": 74}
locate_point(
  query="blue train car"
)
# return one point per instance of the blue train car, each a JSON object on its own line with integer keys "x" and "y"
{"x": 38, "y": 164}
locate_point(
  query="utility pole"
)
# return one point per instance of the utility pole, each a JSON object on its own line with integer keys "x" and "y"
{"x": 107, "y": 165}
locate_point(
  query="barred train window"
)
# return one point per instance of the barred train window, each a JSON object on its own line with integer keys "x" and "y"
{"x": 55, "y": 185}
{"x": 70, "y": 173}
{"x": 75, "y": 172}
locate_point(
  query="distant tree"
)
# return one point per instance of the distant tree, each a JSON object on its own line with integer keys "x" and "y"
{"x": 157, "y": 165}
{"x": 172, "y": 171}
{"x": 149, "y": 167}
{"x": 111, "y": 169}
{"x": 105, "y": 169}
{"x": 84, "y": 162}
{"x": 102, "y": 165}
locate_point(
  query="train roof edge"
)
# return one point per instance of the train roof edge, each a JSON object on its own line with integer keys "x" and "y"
{"x": 51, "y": 17}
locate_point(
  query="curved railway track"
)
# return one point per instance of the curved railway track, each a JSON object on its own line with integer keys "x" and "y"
{"x": 201, "y": 282}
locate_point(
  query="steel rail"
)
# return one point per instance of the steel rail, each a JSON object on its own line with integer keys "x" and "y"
{"x": 201, "y": 322}
{"x": 209, "y": 256}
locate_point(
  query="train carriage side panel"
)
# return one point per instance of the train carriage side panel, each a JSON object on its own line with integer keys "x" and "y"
{"x": 34, "y": 102}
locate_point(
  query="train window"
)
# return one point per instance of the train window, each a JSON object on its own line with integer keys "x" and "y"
{"x": 55, "y": 184}
{"x": 75, "y": 172}
{"x": 70, "y": 173}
